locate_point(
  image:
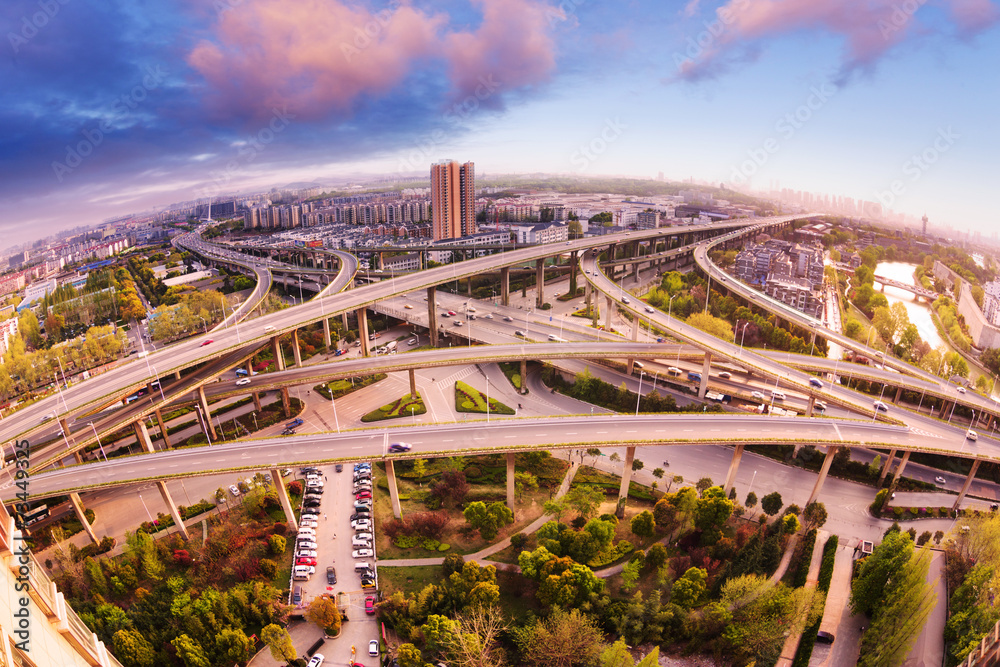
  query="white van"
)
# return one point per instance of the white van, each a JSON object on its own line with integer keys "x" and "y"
{"x": 972, "y": 435}
{"x": 778, "y": 395}
{"x": 302, "y": 572}
{"x": 362, "y": 567}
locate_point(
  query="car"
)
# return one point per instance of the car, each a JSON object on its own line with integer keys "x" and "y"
{"x": 206, "y": 342}
{"x": 960, "y": 390}
{"x": 314, "y": 488}
{"x": 269, "y": 328}
{"x": 445, "y": 315}
{"x": 339, "y": 467}
{"x": 373, "y": 648}
{"x": 521, "y": 334}
{"x": 880, "y": 406}
{"x": 288, "y": 431}
{"x": 361, "y": 524}
{"x": 311, "y": 502}
{"x": 305, "y": 560}
{"x": 364, "y": 473}
{"x": 364, "y": 494}
{"x": 452, "y": 313}
{"x": 650, "y": 309}
{"x": 458, "y": 323}
{"x": 813, "y": 382}
{"x": 305, "y": 544}
{"x": 308, "y": 523}
{"x": 367, "y": 583}
{"x": 725, "y": 375}
{"x": 361, "y": 514}
{"x": 824, "y": 637}
{"x": 759, "y": 395}
{"x": 316, "y": 660}
{"x": 362, "y": 486}
{"x": 407, "y": 306}
{"x": 363, "y": 535}
{"x": 331, "y": 575}
{"x": 359, "y": 553}
{"x": 508, "y": 318}
{"x": 306, "y": 471}
{"x": 361, "y": 543}
{"x": 242, "y": 381}
{"x": 370, "y": 604}
{"x": 778, "y": 395}
{"x": 47, "y": 417}
{"x": 940, "y": 480}
{"x": 362, "y": 478}
{"x": 364, "y": 465}
{"x": 285, "y": 472}
{"x": 399, "y": 447}
{"x": 233, "y": 489}
{"x": 971, "y": 435}
{"x": 819, "y": 406}
{"x": 294, "y": 423}
{"x": 362, "y": 505}
{"x": 625, "y": 300}
{"x": 305, "y": 553}
{"x": 488, "y": 316}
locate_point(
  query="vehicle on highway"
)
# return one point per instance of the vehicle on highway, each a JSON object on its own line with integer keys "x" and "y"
{"x": 331, "y": 575}
{"x": 206, "y": 342}
{"x": 960, "y": 390}
{"x": 880, "y": 406}
{"x": 361, "y": 553}
{"x": 458, "y": 323}
{"x": 674, "y": 371}
{"x": 373, "y": 648}
{"x": 725, "y": 375}
{"x": 778, "y": 395}
{"x": 407, "y": 306}
{"x": 294, "y": 423}
{"x": 521, "y": 334}
{"x": 508, "y": 318}
{"x": 625, "y": 300}
{"x": 940, "y": 480}
{"x": 694, "y": 377}
{"x": 819, "y": 406}
{"x": 233, "y": 489}
{"x": 288, "y": 431}
{"x": 242, "y": 381}
{"x": 269, "y": 328}
{"x": 815, "y": 383}
{"x": 399, "y": 447}
{"x": 556, "y": 338}
{"x": 759, "y": 395}
{"x": 452, "y": 313}
{"x": 971, "y": 435}
{"x": 650, "y": 309}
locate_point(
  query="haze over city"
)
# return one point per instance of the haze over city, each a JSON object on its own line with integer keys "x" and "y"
{"x": 112, "y": 108}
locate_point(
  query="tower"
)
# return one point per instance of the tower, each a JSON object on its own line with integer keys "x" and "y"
{"x": 453, "y": 199}
{"x": 923, "y": 229}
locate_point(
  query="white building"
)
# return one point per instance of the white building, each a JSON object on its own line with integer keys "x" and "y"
{"x": 545, "y": 232}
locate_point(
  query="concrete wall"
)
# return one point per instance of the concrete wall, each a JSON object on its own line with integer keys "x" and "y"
{"x": 983, "y": 333}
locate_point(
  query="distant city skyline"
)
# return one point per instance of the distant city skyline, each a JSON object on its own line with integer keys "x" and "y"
{"x": 113, "y": 109}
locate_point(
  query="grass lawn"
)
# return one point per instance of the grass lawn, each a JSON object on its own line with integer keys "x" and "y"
{"x": 468, "y": 399}
{"x": 409, "y": 580}
{"x": 410, "y": 404}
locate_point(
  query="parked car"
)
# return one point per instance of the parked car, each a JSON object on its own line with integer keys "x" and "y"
{"x": 363, "y": 505}
{"x": 306, "y": 553}
{"x": 339, "y": 467}
{"x": 316, "y": 660}
{"x": 360, "y": 543}
{"x": 361, "y": 524}
{"x": 306, "y": 560}
{"x": 373, "y": 648}
{"x": 361, "y": 535}
{"x": 233, "y": 489}
{"x": 331, "y": 575}
{"x": 370, "y": 604}
{"x": 358, "y": 553}
{"x": 308, "y": 545}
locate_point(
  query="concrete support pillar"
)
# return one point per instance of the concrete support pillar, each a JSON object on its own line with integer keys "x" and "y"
{"x": 574, "y": 268}
{"x": 967, "y": 484}
{"x": 286, "y": 402}
{"x": 626, "y": 479}
{"x": 390, "y": 473}
{"x": 163, "y": 428}
{"x": 607, "y": 316}
{"x": 886, "y": 466}
{"x": 810, "y": 406}
{"x": 74, "y": 498}
{"x": 279, "y": 358}
{"x": 177, "y": 375}
{"x": 510, "y": 481}
{"x": 413, "y": 382}
{"x": 256, "y": 401}
{"x": 178, "y": 521}
{"x": 539, "y": 282}
{"x": 705, "y": 368}
{"x": 295, "y": 348}
{"x": 362, "y": 314}
{"x": 899, "y": 394}
{"x": 734, "y": 466}
{"x": 326, "y": 334}
{"x": 588, "y": 291}
{"x": 823, "y": 472}
{"x": 142, "y": 436}
{"x": 899, "y": 470}
{"x": 286, "y": 503}
{"x": 468, "y": 286}
{"x": 432, "y": 315}
{"x": 524, "y": 376}
{"x": 205, "y": 411}
{"x": 343, "y": 320}
{"x": 505, "y": 286}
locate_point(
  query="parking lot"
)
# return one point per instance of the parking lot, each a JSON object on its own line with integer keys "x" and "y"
{"x": 335, "y": 541}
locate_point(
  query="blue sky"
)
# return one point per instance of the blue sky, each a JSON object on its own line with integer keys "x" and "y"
{"x": 114, "y": 107}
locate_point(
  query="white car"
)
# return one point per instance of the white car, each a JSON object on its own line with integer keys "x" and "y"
{"x": 305, "y": 545}
{"x": 316, "y": 660}
{"x": 361, "y": 543}
{"x": 234, "y": 490}
{"x": 361, "y": 524}
{"x": 306, "y": 553}
{"x": 363, "y": 536}
{"x": 759, "y": 395}
{"x": 961, "y": 390}
{"x": 306, "y": 523}
{"x": 362, "y": 553}
{"x": 972, "y": 435}
{"x": 242, "y": 381}
{"x": 940, "y": 480}
{"x": 725, "y": 375}
{"x": 373, "y": 648}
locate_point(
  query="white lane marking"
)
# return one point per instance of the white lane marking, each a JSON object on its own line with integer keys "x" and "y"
{"x": 837, "y": 430}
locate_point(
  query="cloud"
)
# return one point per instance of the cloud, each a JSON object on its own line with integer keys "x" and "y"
{"x": 322, "y": 58}
{"x": 869, "y": 28}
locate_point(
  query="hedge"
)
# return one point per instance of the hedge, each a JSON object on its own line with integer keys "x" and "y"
{"x": 609, "y": 556}
{"x": 805, "y": 558}
{"x": 808, "y": 639}
{"x": 468, "y": 399}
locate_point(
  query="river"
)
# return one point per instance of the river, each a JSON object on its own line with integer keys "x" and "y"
{"x": 919, "y": 312}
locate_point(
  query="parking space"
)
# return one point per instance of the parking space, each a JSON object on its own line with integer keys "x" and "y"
{"x": 336, "y": 515}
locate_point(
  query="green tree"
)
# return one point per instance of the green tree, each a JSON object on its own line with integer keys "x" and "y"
{"x": 689, "y": 588}
{"x": 616, "y": 655}
{"x": 409, "y": 655}
{"x": 901, "y": 615}
{"x": 279, "y": 641}
{"x": 751, "y": 500}
{"x": 488, "y": 519}
{"x": 642, "y": 524}
{"x": 323, "y": 611}
{"x": 585, "y": 499}
{"x": 870, "y": 587}
{"x": 438, "y": 633}
{"x": 420, "y": 469}
{"x": 277, "y": 544}
{"x": 132, "y": 649}
{"x": 815, "y": 515}
{"x": 234, "y": 645}
{"x": 713, "y": 509}
{"x": 790, "y": 524}
{"x": 712, "y": 325}
{"x": 524, "y": 480}
{"x": 190, "y": 652}
{"x": 564, "y": 639}
{"x": 703, "y": 483}
{"x": 473, "y": 585}
{"x": 771, "y": 504}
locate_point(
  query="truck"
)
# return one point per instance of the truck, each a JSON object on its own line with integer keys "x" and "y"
{"x": 390, "y": 347}
{"x": 718, "y": 397}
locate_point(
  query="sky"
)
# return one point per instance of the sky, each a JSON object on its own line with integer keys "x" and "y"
{"x": 109, "y": 107}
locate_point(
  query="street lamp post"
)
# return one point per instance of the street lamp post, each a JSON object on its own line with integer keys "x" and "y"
{"x": 204, "y": 323}
{"x": 145, "y": 508}
{"x": 255, "y": 427}
{"x": 742, "y": 336}
{"x": 639, "y": 395}
{"x": 159, "y": 385}
{"x": 98, "y": 441}
{"x": 333, "y": 404}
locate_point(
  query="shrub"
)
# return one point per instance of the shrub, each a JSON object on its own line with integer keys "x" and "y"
{"x": 444, "y": 547}
{"x": 295, "y": 487}
{"x": 406, "y": 541}
{"x": 473, "y": 472}
{"x": 431, "y": 544}
{"x": 182, "y": 557}
{"x": 277, "y": 544}
{"x": 268, "y": 568}
{"x": 518, "y": 540}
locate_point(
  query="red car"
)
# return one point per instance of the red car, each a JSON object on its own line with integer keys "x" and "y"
{"x": 370, "y": 604}
{"x": 207, "y": 342}
{"x": 362, "y": 495}
{"x": 305, "y": 560}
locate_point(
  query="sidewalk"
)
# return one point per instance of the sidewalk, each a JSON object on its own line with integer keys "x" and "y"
{"x": 792, "y": 641}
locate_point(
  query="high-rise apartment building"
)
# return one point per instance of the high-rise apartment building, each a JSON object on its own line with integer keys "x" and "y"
{"x": 453, "y": 199}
